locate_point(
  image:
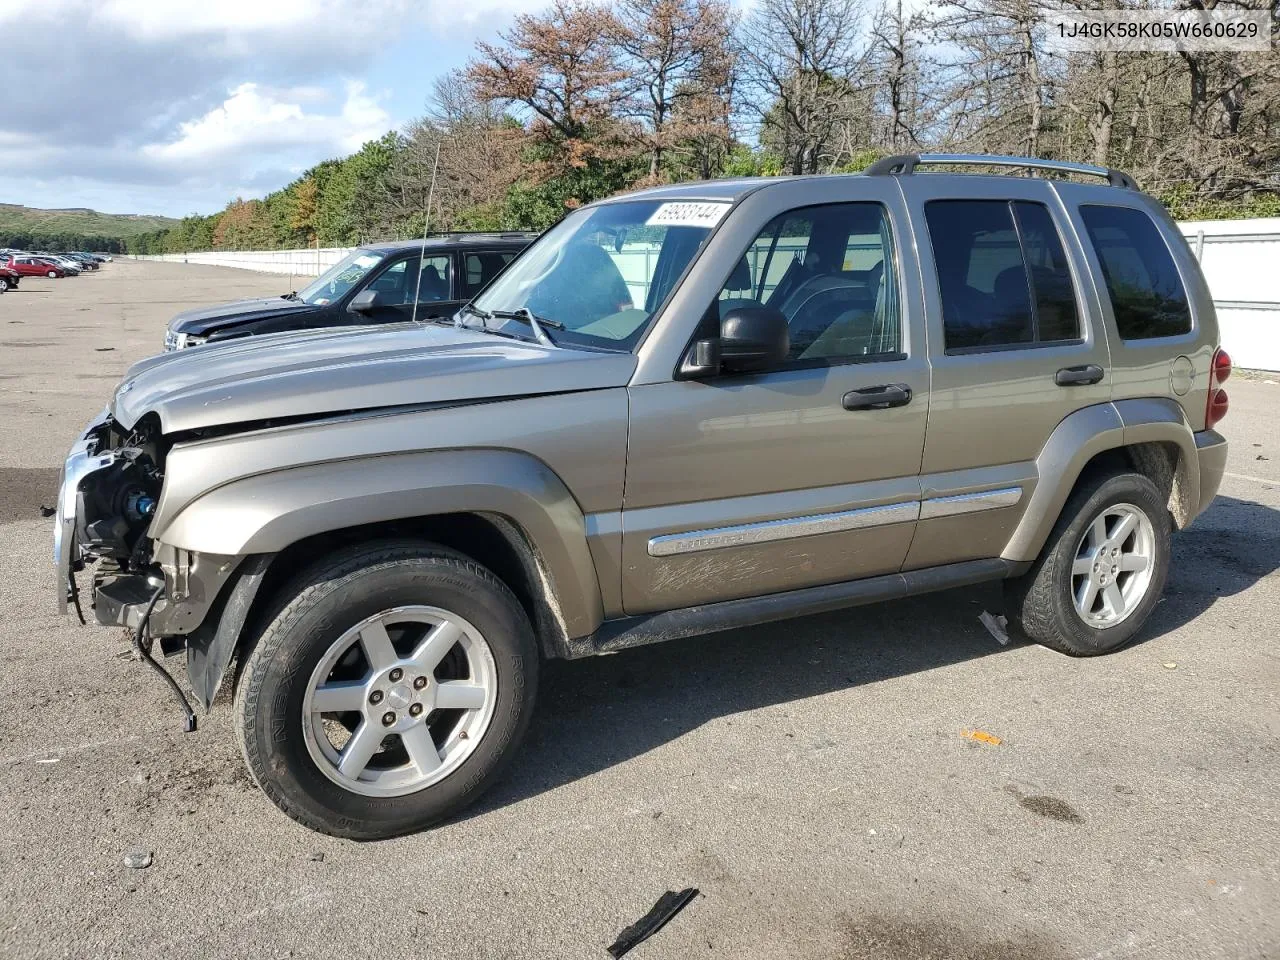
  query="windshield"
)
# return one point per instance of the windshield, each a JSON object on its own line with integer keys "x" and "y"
{"x": 603, "y": 271}
{"x": 340, "y": 278}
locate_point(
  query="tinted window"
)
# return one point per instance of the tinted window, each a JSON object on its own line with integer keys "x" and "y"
{"x": 483, "y": 267}
{"x": 400, "y": 282}
{"x": 1002, "y": 274}
{"x": 1147, "y": 296}
{"x": 1054, "y": 295}
{"x": 830, "y": 271}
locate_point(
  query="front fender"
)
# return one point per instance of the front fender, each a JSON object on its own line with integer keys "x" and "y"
{"x": 268, "y": 512}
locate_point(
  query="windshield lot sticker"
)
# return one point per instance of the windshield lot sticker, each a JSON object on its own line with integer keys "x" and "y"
{"x": 688, "y": 214}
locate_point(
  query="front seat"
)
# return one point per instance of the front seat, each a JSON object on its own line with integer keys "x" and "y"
{"x": 433, "y": 286}
{"x": 739, "y": 283}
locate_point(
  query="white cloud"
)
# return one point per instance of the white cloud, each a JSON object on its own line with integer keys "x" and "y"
{"x": 255, "y": 118}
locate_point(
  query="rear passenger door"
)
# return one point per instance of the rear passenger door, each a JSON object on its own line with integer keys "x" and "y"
{"x": 479, "y": 267}
{"x": 1015, "y": 347}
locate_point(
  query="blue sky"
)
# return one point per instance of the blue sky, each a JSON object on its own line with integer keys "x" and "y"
{"x": 176, "y": 107}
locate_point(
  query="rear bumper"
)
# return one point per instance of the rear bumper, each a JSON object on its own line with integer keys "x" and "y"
{"x": 1211, "y": 451}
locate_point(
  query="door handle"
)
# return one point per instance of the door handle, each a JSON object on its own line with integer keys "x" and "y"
{"x": 1078, "y": 376}
{"x": 877, "y": 398}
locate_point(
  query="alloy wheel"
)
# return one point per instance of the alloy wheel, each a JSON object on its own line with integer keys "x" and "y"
{"x": 399, "y": 701}
{"x": 1113, "y": 565}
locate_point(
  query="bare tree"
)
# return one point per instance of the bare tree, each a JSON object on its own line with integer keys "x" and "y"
{"x": 994, "y": 82}
{"x": 677, "y": 55}
{"x": 800, "y": 63}
{"x": 897, "y": 56}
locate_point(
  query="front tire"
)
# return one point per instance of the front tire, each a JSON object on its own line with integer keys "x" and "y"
{"x": 4, "y": 284}
{"x": 52, "y": 274}
{"x": 1102, "y": 571}
{"x": 389, "y": 692}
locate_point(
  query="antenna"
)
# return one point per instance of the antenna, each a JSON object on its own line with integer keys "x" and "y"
{"x": 426, "y": 225}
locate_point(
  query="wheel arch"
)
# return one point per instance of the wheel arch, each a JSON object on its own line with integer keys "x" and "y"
{"x": 507, "y": 505}
{"x": 1150, "y": 436}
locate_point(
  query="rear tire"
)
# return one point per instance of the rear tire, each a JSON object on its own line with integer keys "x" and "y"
{"x": 4, "y": 284}
{"x": 430, "y": 666}
{"x": 1102, "y": 570}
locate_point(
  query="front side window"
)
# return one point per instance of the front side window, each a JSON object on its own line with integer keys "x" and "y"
{"x": 1002, "y": 274}
{"x": 1147, "y": 296}
{"x": 402, "y": 281}
{"x": 604, "y": 271}
{"x": 334, "y": 283}
{"x": 830, "y": 271}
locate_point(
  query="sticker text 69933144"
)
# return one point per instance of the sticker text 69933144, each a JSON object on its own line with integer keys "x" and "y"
{"x": 690, "y": 213}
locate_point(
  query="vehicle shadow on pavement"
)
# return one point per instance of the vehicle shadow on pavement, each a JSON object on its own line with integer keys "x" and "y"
{"x": 596, "y": 713}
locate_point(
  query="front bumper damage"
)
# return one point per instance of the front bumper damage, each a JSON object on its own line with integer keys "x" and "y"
{"x": 170, "y": 598}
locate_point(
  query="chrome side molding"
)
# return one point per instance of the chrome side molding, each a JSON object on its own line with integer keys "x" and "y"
{"x": 970, "y": 502}
{"x": 768, "y": 531}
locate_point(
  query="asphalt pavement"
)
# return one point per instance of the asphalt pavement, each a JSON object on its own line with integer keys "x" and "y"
{"x": 824, "y": 783}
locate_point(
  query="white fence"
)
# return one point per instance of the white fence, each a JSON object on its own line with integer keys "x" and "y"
{"x": 309, "y": 262}
{"x": 1240, "y": 259}
{"x": 1241, "y": 262}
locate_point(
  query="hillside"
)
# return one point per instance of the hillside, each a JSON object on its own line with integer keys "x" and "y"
{"x": 15, "y": 218}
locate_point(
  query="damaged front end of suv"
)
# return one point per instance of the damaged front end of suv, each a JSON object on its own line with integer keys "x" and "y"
{"x": 111, "y": 485}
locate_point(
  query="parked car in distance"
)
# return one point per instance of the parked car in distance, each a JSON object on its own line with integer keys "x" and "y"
{"x": 84, "y": 260}
{"x": 30, "y": 266}
{"x": 72, "y": 268}
{"x": 8, "y": 278}
{"x": 376, "y": 283}
{"x": 684, "y": 410}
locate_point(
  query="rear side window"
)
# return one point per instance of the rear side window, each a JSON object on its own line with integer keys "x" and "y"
{"x": 1147, "y": 296}
{"x": 483, "y": 267}
{"x": 1002, "y": 274}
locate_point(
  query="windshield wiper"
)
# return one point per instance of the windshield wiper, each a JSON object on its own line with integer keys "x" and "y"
{"x": 484, "y": 316}
{"x": 523, "y": 314}
{"x": 291, "y": 295}
{"x": 533, "y": 320}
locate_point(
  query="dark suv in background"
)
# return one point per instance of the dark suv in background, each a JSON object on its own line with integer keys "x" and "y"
{"x": 375, "y": 283}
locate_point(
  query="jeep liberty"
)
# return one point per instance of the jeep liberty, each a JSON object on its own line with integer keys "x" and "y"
{"x": 679, "y": 411}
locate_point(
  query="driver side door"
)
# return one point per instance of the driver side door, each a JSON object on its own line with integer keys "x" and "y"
{"x": 429, "y": 281}
{"x": 748, "y": 484}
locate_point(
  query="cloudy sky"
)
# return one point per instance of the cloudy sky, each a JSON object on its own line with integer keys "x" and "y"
{"x": 175, "y": 106}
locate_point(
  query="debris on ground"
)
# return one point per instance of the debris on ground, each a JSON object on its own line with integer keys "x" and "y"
{"x": 138, "y": 859}
{"x": 318, "y": 857}
{"x": 104, "y": 349}
{"x": 997, "y": 626}
{"x": 47, "y": 511}
{"x": 1170, "y": 665}
{"x": 982, "y": 737}
{"x": 668, "y": 905}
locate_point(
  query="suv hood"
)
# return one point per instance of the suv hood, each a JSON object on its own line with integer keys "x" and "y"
{"x": 355, "y": 368}
{"x": 202, "y": 321}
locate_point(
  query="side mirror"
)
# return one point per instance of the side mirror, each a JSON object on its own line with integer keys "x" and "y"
{"x": 753, "y": 338}
{"x": 364, "y": 301}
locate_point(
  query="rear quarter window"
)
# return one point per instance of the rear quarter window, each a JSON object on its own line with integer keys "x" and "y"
{"x": 1146, "y": 292}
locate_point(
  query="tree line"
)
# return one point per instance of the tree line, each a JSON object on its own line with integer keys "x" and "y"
{"x": 584, "y": 100}
{"x": 61, "y": 241}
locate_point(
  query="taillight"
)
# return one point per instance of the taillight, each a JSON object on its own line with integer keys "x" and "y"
{"x": 1219, "y": 371}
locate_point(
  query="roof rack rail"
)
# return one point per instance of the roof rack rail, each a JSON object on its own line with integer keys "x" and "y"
{"x": 906, "y": 163}
{"x": 479, "y": 233}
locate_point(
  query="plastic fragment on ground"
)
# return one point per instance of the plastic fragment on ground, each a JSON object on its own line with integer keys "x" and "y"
{"x": 668, "y": 905}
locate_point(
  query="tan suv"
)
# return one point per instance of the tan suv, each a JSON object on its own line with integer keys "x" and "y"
{"x": 679, "y": 411}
